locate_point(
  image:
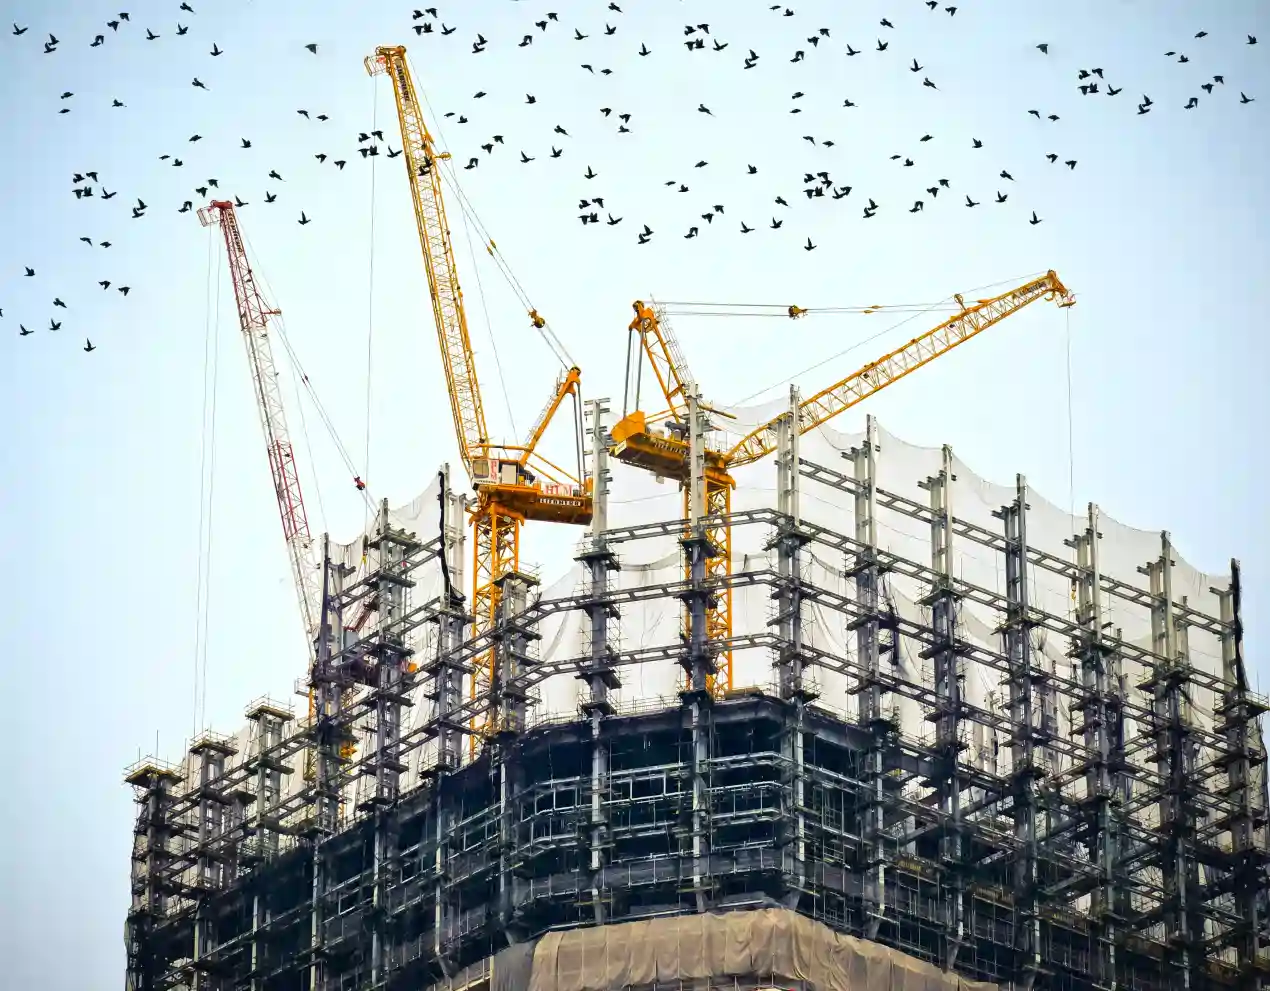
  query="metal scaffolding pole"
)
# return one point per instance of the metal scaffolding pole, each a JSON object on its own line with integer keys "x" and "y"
{"x": 867, "y": 572}
{"x": 1025, "y": 682}
{"x": 599, "y": 672}
{"x": 153, "y": 783}
{"x": 329, "y": 732}
{"x": 209, "y": 751}
{"x": 698, "y": 657}
{"x": 946, "y": 775}
{"x": 1100, "y": 708}
{"x": 267, "y": 720}
{"x": 791, "y": 659}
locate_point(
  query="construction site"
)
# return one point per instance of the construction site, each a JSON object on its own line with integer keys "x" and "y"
{"x": 810, "y": 710}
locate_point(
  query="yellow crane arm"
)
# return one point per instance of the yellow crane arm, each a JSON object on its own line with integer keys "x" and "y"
{"x": 874, "y": 377}
{"x": 568, "y": 385}
{"x": 664, "y": 357}
{"x": 421, "y": 158}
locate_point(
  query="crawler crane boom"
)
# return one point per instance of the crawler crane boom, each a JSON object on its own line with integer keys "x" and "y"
{"x": 638, "y": 441}
{"x": 512, "y": 482}
{"x": 253, "y": 317}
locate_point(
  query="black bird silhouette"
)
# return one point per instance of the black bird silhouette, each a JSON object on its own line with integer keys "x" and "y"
{"x": 240, "y": 202}
{"x": 692, "y": 232}
{"x": 556, "y": 152}
{"x": 30, "y": 272}
{"x": 1035, "y": 219}
{"x": 970, "y": 202}
{"x": 927, "y": 82}
{"x": 17, "y": 30}
{"x": 216, "y": 51}
{"x": 22, "y": 331}
{"x": 703, "y": 109}
{"x": 58, "y": 302}
{"x": 561, "y": 130}
{"x": 1246, "y": 99}
{"x": 187, "y": 8}
{"x": 303, "y": 219}
{"x": 1002, "y": 197}
{"x": 976, "y": 143}
{"x": 1112, "y": 91}
{"x": 1070, "y": 163}
{"x": 809, "y": 246}
{"x": 644, "y": 49}
{"x": 88, "y": 345}
{"x": 54, "y": 325}
{"x": 98, "y": 40}
{"x": 394, "y": 154}
{"x": 181, "y": 29}
{"x": 186, "y": 207}
{"x": 1006, "y": 175}
{"x": 201, "y": 190}
{"x": 1043, "y": 48}
{"x": 116, "y": 103}
{"x": 883, "y": 45}
{"x": 852, "y": 51}
{"x": 312, "y": 48}
{"x": 1052, "y": 157}
{"x": 775, "y": 224}
{"x": 197, "y": 82}
{"x": 886, "y": 24}
{"x": 104, "y": 283}
{"x": 124, "y": 290}
{"x": 270, "y": 197}
{"x": 751, "y": 170}
{"x": 1035, "y": 113}
{"x": 1192, "y": 103}
{"x": 273, "y": 174}
{"x": 915, "y": 67}
{"x": 1252, "y": 39}
{"x": 151, "y": 36}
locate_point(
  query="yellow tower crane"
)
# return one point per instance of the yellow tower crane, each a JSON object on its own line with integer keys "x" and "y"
{"x": 659, "y": 443}
{"x": 512, "y": 482}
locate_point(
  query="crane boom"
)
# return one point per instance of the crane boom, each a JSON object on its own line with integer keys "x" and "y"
{"x": 664, "y": 357}
{"x": 253, "y": 317}
{"x": 921, "y": 350}
{"x": 665, "y": 450}
{"x": 438, "y": 256}
{"x": 508, "y": 490}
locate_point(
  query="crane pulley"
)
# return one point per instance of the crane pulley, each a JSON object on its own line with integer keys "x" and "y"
{"x": 659, "y": 442}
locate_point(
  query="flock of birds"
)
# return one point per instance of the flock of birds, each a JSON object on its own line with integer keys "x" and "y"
{"x": 816, "y": 183}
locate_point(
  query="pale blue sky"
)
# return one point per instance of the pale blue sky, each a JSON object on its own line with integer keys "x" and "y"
{"x": 1159, "y": 230}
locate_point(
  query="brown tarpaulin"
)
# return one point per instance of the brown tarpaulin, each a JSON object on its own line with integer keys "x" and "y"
{"x": 775, "y": 942}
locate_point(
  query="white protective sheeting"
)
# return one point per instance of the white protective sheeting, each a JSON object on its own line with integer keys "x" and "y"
{"x": 639, "y": 498}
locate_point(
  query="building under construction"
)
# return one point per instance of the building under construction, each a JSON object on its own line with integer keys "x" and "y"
{"x": 1015, "y": 745}
{"x": 851, "y": 718}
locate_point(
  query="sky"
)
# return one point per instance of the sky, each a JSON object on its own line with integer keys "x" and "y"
{"x": 147, "y": 585}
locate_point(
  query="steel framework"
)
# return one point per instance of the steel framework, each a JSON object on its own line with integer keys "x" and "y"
{"x": 1128, "y": 863}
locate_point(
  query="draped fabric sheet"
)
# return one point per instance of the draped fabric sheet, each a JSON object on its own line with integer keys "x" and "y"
{"x": 638, "y": 498}
{"x": 773, "y": 944}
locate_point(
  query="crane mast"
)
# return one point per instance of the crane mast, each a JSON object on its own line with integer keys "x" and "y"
{"x": 513, "y": 484}
{"x": 253, "y": 317}
{"x": 665, "y": 452}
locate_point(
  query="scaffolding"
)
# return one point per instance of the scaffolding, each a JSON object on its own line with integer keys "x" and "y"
{"x": 1098, "y": 827}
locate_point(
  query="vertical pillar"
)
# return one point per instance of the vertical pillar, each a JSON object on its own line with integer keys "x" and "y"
{"x": 598, "y": 673}
{"x": 1174, "y": 756}
{"x": 1239, "y": 721}
{"x": 1172, "y": 727}
{"x": 697, "y": 659}
{"x": 1100, "y": 706}
{"x": 385, "y": 767}
{"x": 446, "y": 677}
{"x": 329, "y": 734}
{"x": 866, "y": 571}
{"x": 1024, "y": 682}
{"x": 209, "y": 752}
{"x": 509, "y": 700}
{"x": 948, "y": 711}
{"x": 268, "y": 720}
{"x": 152, "y": 782}
{"x": 791, "y": 658}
